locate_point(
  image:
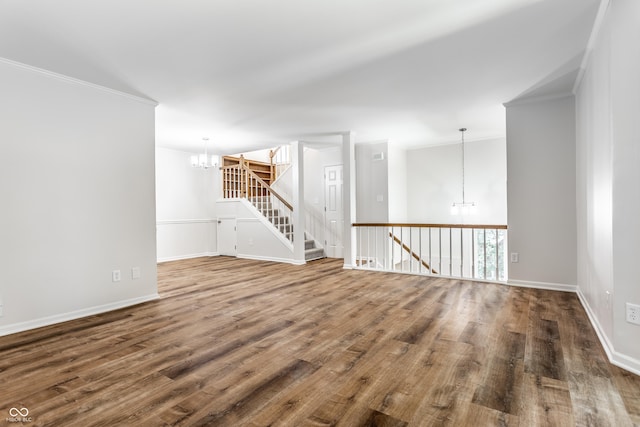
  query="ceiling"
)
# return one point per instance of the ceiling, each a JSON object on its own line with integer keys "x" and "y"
{"x": 252, "y": 74}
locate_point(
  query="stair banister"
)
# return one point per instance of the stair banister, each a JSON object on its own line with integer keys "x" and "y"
{"x": 479, "y": 252}
{"x": 271, "y": 190}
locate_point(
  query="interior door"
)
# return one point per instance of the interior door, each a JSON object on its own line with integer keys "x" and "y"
{"x": 333, "y": 216}
{"x": 227, "y": 237}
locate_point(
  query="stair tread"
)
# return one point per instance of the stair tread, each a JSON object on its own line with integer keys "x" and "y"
{"x": 265, "y": 207}
{"x": 315, "y": 253}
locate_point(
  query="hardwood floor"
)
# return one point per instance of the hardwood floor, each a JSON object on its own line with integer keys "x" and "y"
{"x": 247, "y": 343}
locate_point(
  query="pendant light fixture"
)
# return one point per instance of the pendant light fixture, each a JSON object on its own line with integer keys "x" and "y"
{"x": 203, "y": 161}
{"x": 464, "y": 207}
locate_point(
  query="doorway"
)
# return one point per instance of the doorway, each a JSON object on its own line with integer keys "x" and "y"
{"x": 333, "y": 213}
{"x": 227, "y": 238}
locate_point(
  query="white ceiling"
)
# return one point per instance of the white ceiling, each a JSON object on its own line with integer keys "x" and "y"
{"x": 255, "y": 73}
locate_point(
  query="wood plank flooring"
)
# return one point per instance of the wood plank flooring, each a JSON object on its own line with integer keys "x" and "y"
{"x": 245, "y": 343}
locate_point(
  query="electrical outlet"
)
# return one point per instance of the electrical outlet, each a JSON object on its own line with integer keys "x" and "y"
{"x": 515, "y": 257}
{"x": 116, "y": 276}
{"x": 135, "y": 273}
{"x": 633, "y": 313}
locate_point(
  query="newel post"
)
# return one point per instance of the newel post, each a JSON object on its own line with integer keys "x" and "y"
{"x": 243, "y": 177}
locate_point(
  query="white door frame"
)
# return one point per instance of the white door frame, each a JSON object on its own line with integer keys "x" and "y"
{"x": 333, "y": 250}
{"x": 227, "y": 236}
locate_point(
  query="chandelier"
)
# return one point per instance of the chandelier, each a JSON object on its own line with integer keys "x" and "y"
{"x": 464, "y": 207}
{"x": 203, "y": 161}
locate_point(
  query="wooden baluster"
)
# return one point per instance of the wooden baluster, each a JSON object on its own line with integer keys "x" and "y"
{"x": 271, "y": 170}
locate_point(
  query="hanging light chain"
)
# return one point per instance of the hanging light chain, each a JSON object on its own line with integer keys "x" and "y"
{"x": 463, "y": 130}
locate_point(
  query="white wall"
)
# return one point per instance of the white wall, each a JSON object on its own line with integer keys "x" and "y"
{"x": 372, "y": 183}
{"x": 186, "y": 196}
{"x": 257, "y": 155}
{"x": 608, "y": 177}
{"x": 541, "y": 191}
{"x": 78, "y": 198}
{"x": 397, "y": 185}
{"x": 283, "y": 184}
{"x": 435, "y": 182}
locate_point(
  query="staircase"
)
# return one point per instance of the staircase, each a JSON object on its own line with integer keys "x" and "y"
{"x": 311, "y": 251}
{"x": 283, "y": 224}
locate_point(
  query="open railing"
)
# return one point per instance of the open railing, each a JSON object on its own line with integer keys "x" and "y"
{"x": 280, "y": 159}
{"x": 241, "y": 182}
{"x": 449, "y": 250}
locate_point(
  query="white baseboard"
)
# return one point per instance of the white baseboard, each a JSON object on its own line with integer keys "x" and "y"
{"x": 543, "y": 285}
{"x": 264, "y": 258}
{"x": 618, "y": 359}
{"x": 621, "y": 360}
{"x": 243, "y": 256}
{"x": 73, "y": 315}
{"x": 187, "y": 256}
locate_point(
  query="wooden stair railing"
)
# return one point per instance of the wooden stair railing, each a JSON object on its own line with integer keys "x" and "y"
{"x": 279, "y": 160}
{"x": 412, "y": 253}
{"x": 479, "y": 253}
{"x": 240, "y": 181}
{"x": 262, "y": 169}
{"x": 257, "y": 187}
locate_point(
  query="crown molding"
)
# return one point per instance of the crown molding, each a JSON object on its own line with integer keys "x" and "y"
{"x": 73, "y": 80}
{"x": 534, "y": 99}
{"x": 593, "y": 38}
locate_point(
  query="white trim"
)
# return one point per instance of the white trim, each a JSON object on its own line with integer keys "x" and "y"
{"x": 273, "y": 259}
{"x": 73, "y": 315}
{"x": 625, "y": 362}
{"x": 543, "y": 285}
{"x": 540, "y": 98}
{"x": 188, "y": 256}
{"x": 73, "y": 80}
{"x": 186, "y": 221}
{"x": 621, "y": 360}
{"x": 593, "y": 38}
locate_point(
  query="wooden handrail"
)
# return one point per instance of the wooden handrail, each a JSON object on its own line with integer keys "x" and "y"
{"x": 243, "y": 160}
{"x": 413, "y": 254}
{"x": 272, "y": 153}
{"x": 230, "y": 167}
{"x": 251, "y": 173}
{"x": 382, "y": 224}
{"x": 271, "y": 190}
